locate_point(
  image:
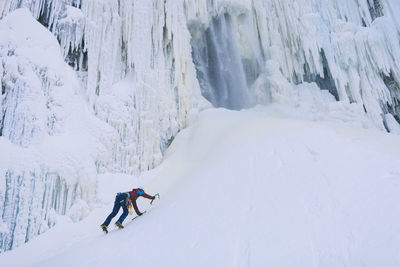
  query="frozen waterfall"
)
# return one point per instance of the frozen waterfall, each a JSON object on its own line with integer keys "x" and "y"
{"x": 218, "y": 63}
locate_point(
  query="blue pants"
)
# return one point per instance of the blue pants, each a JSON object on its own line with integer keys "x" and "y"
{"x": 120, "y": 201}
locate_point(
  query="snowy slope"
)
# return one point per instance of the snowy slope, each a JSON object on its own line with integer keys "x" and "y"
{"x": 248, "y": 188}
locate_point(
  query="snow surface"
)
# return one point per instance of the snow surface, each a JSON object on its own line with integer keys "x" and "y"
{"x": 248, "y": 188}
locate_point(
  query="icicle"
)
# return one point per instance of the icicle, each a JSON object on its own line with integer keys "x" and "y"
{"x": 39, "y": 105}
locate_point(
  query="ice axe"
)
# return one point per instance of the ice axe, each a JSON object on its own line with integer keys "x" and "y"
{"x": 138, "y": 215}
{"x": 156, "y": 195}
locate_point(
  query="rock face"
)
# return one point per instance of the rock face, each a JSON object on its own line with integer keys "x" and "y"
{"x": 138, "y": 70}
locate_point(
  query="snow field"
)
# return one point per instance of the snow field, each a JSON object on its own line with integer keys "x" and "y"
{"x": 247, "y": 188}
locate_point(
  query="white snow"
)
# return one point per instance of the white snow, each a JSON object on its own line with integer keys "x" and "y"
{"x": 248, "y": 188}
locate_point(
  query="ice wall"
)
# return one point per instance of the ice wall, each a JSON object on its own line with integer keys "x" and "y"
{"x": 32, "y": 197}
{"x": 142, "y": 42}
{"x": 350, "y": 48}
{"x": 347, "y": 47}
{"x": 149, "y": 87}
{"x": 51, "y": 146}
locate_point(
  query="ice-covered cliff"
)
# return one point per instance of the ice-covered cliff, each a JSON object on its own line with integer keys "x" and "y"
{"x": 45, "y": 123}
{"x": 138, "y": 71}
{"x": 350, "y": 48}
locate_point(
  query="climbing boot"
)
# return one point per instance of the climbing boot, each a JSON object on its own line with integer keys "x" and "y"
{"x": 104, "y": 228}
{"x": 119, "y": 225}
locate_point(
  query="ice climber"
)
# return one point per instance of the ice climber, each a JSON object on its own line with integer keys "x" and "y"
{"x": 125, "y": 200}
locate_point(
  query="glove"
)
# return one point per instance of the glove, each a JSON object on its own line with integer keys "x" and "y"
{"x": 154, "y": 197}
{"x": 140, "y": 214}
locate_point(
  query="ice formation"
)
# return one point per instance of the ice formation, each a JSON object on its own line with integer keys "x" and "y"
{"x": 139, "y": 69}
{"x": 220, "y": 71}
{"x": 44, "y": 124}
{"x": 350, "y": 48}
